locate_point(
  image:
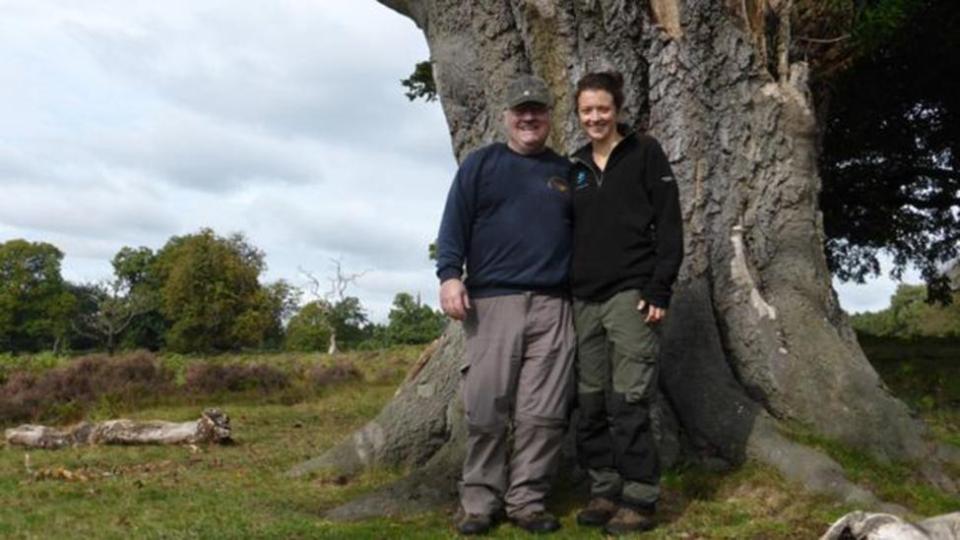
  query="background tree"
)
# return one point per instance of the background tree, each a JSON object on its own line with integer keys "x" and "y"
{"x": 349, "y": 322}
{"x": 891, "y": 142}
{"x": 754, "y": 335}
{"x": 35, "y": 303}
{"x": 135, "y": 269}
{"x": 114, "y": 307}
{"x": 210, "y": 294}
{"x": 346, "y": 319}
{"x": 85, "y": 306}
{"x": 412, "y": 322}
{"x": 278, "y": 303}
{"x": 309, "y": 329}
{"x": 910, "y": 316}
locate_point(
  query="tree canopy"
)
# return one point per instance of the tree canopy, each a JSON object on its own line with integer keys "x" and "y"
{"x": 891, "y": 144}
{"x": 35, "y": 303}
{"x": 910, "y": 316}
{"x": 210, "y": 293}
{"x": 412, "y": 322}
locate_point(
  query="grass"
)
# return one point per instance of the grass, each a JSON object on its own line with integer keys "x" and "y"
{"x": 218, "y": 492}
{"x": 926, "y": 375}
{"x": 240, "y": 491}
{"x": 892, "y": 482}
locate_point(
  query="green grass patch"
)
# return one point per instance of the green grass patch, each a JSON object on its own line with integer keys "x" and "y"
{"x": 895, "y": 482}
{"x": 240, "y": 491}
{"x": 237, "y": 491}
{"x": 924, "y": 373}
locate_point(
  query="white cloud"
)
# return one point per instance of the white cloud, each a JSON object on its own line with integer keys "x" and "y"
{"x": 97, "y": 211}
{"x": 127, "y": 122}
{"x": 180, "y": 148}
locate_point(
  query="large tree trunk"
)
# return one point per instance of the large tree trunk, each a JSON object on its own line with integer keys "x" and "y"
{"x": 755, "y": 336}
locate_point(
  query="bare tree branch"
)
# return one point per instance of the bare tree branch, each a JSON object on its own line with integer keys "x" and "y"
{"x": 340, "y": 281}
{"x": 116, "y": 308}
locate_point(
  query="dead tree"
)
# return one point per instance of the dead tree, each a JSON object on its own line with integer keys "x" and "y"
{"x": 335, "y": 295}
{"x": 867, "y": 526}
{"x": 755, "y": 339}
{"x": 213, "y": 426}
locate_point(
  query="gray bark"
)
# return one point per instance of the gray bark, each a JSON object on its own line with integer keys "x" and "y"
{"x": 755, "y": 335}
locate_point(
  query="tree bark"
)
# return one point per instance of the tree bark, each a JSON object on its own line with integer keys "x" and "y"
{"x": 755, "y": 339}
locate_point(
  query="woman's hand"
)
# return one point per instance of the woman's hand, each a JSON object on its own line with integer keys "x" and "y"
{"x": 654, "y": 313}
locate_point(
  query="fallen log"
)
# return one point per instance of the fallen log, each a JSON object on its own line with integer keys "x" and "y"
{"x": 872, "y": 526}
{"x": 213, "y": 426}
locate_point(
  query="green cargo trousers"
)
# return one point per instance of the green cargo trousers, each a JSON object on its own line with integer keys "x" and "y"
{"x": 616, "y": 374}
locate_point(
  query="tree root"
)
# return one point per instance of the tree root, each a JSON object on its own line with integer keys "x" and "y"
{"x": 810, "y": 468}
{"x": 414, "y": 425}
{"x": 434, "y": 485}
{"x": 425, "y": 489}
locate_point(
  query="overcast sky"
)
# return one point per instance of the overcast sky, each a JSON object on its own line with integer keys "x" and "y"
{"x": 123, "y": 123}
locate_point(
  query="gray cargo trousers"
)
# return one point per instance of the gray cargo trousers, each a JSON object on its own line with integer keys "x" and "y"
{"x": 518, "y": 365}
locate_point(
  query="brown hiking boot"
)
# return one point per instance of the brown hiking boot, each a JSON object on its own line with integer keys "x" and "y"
{"x": 597, "y": 513}
{"x": 630, "y": 519}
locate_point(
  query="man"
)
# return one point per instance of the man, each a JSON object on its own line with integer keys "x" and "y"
{"x": 508, "y": 216}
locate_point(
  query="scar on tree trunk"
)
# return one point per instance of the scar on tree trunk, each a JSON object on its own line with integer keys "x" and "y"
{"x": 755, "y": 347}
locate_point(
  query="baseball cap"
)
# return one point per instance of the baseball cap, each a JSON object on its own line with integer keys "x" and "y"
{"x": 528, "y": 89}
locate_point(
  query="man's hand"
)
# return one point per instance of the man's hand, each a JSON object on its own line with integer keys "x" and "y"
{"x": 654, "y": 314}
{"x": 454, "y": 300}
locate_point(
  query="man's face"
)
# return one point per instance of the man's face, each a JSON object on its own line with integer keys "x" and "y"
{"x": 528, "y": 126}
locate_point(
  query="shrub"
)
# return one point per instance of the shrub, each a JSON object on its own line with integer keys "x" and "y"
{"x": 213, "y": 378}
{"x": 67, "y": 391}
{"x": 320, "y": 376}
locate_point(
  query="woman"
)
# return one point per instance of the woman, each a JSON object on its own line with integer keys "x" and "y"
{"x": 628, "y": 245}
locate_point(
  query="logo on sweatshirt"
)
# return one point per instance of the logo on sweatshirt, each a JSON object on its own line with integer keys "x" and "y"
{"x": 559, "y": 184}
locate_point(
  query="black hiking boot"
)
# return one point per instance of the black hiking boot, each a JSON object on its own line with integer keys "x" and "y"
{"x": 474, "y": 524}
{"x": 538, "y": 522}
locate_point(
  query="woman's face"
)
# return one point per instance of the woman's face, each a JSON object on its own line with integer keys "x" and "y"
{"x": 597, "y": 114}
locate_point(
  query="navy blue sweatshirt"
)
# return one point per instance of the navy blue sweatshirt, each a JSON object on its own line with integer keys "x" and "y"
{"x": 509, "y": 217}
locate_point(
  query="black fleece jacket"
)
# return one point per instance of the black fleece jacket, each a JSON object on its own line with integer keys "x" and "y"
{"x": 628, "y": 231}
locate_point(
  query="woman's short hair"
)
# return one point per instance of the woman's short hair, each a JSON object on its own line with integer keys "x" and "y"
{"x": 608, "y": 81}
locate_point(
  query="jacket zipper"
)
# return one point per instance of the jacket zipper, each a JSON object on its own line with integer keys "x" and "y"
{"x": 598, "y": 175}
